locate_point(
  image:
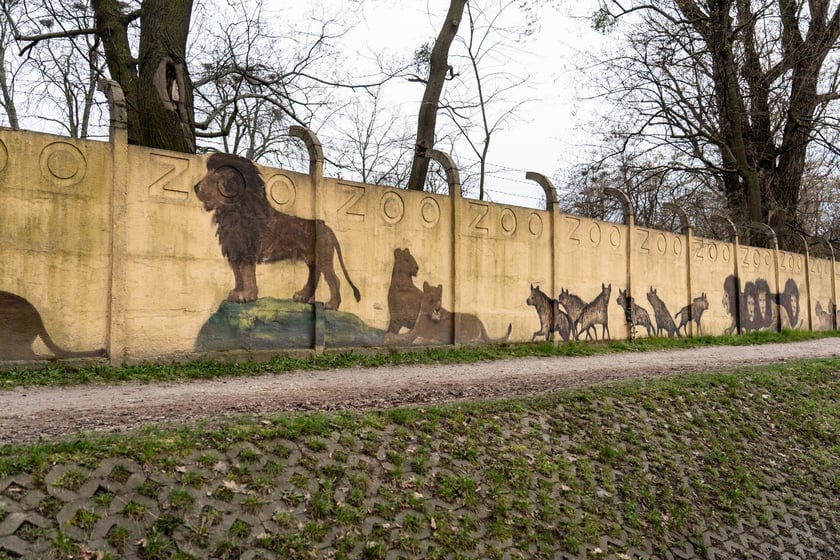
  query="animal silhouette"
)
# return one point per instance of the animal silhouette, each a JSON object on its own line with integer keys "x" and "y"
{"x": 252, "y": 232}
{"x": 552, "y": 318}
{"x": 403, "y": 296}
{"x": 435, "y": 324}
{"x": 823, "y": 316}
{"x": 21, "y": 325}
{"x": 571, "y": 303}
{"x": 693, "y": 312}
{"x": 638, "y": 315}
{"x": 664, "y": 322}
{"x": 595, "y": 313}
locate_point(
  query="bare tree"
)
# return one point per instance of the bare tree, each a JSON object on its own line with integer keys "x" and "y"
{"x": 7, "y": 73}
{"x": 370, "y": 141}
{"x": 739, "y": 89}
{"x": 479, "y": 105}
{"x": 156, "y": 81}
{"x": 439, "y": 68}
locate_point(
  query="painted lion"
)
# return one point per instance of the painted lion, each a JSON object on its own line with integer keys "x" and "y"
{"x": 250, "y": 231}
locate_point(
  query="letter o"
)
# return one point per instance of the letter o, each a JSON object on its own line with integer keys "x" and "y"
{"x": 595, "y": 235}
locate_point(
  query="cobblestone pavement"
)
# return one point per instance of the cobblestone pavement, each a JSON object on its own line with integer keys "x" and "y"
{"x": 516, "y": 484}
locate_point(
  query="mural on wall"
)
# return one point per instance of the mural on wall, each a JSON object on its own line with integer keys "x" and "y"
{"x": 760, "y": 308}
{"x": 586, "y": 316}
{"x": 593, "y": 314}
{"x": 693, "y": 312}
{"x": 552, "y": 318}
{"x": 573, "y": 305}
{"x": 825, "y": 315}
{"x": 434, "y": 324}
{"x": 250, "y": 231}
{"x": 21, "y": 325}
{"x": 403, "y": 296}
{"x": 634, "y": 314}
{"x": 664, "y": 322}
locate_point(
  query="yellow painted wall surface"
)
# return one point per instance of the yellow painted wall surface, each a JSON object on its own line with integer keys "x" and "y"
{"x": 113, "y": 248}
{"x": 821, "y": 293}
{"x": 712, "y": 262}
{"x": 592, "y": 259}
{"x": 659, "y": 263}
{"x": 55, "y": 232}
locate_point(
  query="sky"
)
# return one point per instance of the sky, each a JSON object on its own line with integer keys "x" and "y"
{"x": 549, "y": 134}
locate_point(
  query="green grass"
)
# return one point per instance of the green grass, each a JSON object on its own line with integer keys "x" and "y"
{"x": 61, "y": 374}
{"x": 650, "y": 462}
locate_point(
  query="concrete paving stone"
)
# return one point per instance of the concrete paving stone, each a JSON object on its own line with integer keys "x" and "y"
{"x": 56, "y": 477}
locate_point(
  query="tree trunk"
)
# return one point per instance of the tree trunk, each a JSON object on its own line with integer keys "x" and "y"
{"x": 8, "y": 101}
{"x": 156, "y": 85}
{"x": 113, "y": 31}
{"x": 427, "y": 115}
{"x": 166, "y": 100}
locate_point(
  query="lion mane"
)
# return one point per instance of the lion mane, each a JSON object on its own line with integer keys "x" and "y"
{"x": 250, "y": 231}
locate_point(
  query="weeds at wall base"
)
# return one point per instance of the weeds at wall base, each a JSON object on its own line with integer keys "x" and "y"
{"x": 63, "y": 374}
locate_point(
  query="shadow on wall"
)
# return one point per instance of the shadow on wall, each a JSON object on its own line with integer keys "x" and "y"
{"x": 21, "y": 325}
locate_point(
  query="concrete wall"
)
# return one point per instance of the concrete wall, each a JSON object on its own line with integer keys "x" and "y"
{"x": 107, "y": 250}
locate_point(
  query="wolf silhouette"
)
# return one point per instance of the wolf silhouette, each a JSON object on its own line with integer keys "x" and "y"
{"x": 552, "y": 318}
{"x": 693, "y": 312}
{"x": 664, "y": 322}
{"x": 595, "y": 313}
{"x": 638, "y": 315}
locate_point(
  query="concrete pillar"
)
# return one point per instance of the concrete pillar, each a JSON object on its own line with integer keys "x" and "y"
{"x": 316, "y": 176}
{"x": 687, "y": 230}
{"x": 454, "y": 180}
{"x": 118, "y": 204}
{"x": 630, "y": 220}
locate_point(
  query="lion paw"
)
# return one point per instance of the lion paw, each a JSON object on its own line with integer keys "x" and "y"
{"x": 240, "y": 296}
{"x": 303, "y": 297}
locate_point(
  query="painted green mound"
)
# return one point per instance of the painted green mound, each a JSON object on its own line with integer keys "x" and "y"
{"x": 276, "y": 324}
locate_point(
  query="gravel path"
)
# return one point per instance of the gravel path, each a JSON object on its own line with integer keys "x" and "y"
{"x": 30, "y": 413}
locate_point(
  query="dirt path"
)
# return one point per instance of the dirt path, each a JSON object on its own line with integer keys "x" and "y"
{"x": 30, "y": 413}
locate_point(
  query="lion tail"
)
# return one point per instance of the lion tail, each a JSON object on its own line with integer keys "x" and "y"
{"x": 356, "y": 293}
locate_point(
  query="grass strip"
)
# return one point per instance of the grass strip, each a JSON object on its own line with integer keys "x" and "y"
{"x": 61, "y": 374}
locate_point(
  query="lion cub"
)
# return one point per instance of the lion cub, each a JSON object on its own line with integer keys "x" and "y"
{"x": 435, "y": 324}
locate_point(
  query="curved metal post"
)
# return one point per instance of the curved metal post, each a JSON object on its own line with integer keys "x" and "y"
{"x": 626, "y": 205}
{"x": 771, "y": 234}
{"x": 685, "y": 224}
{"x": 547, "y": 186}
{"x": 454, "y": 180}
{"x": 807, "y": 280}
{"x": 735, "y": 240}
{"x": 316, "y": 176}
{"x": 551, "y": 207}
{"x": 733, "y": 229}
{"x": 687, "y": 230}
{"x": 313, "y": 146}
{"x": 630, "y": 221}
{"x": 451, "y": 170}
